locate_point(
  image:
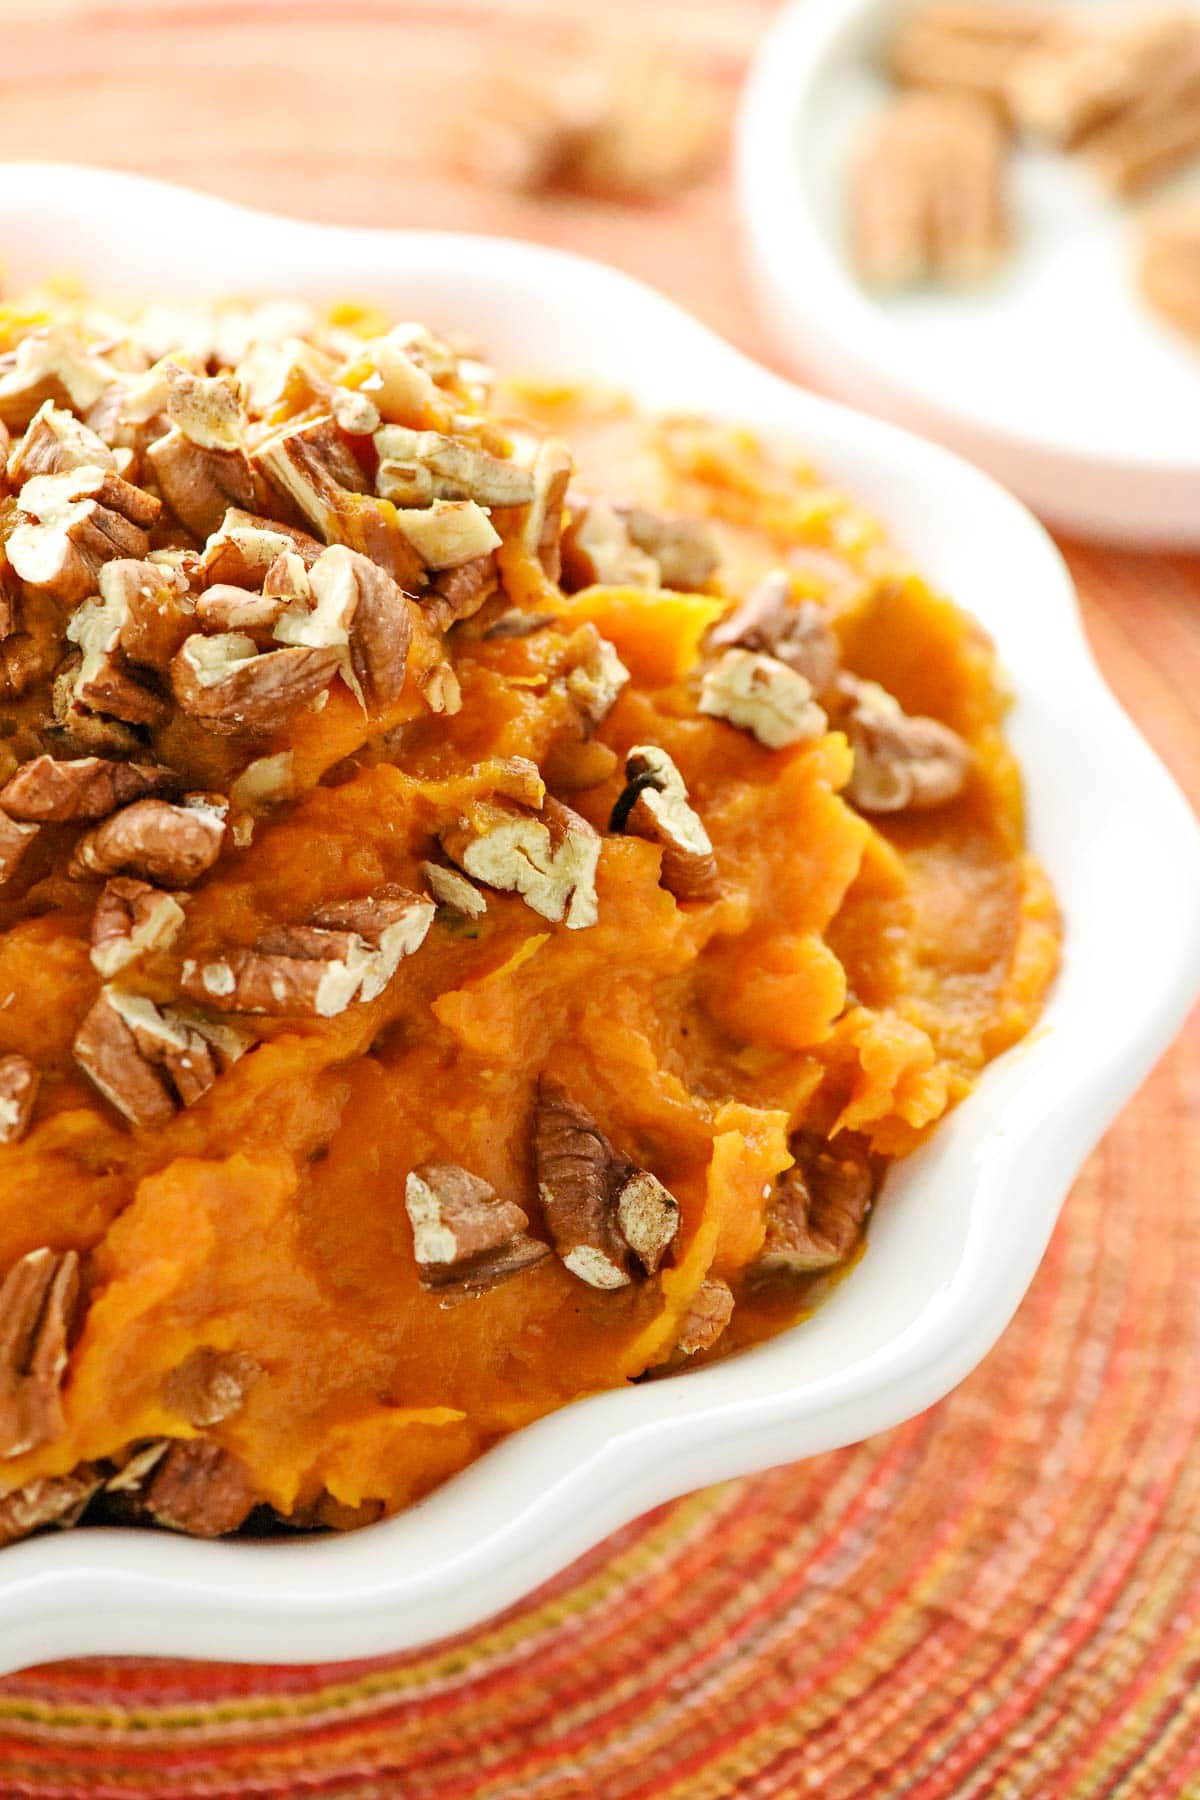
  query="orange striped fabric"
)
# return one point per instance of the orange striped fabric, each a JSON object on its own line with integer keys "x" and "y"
{"x": 999, "y": 1599}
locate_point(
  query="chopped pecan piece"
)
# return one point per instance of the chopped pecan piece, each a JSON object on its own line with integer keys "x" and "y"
{"x": 148, "y": 1060}
{"x": 1159, "y": 131}
{"x": 313, "y": 467}
{"x": 549, "y": 859}
{"x": 156, "y": 839}
{"x": 596, "y": 678}
{"x": 229, "y": 687}
{"x": 416, "y": 467}
{"x": 763, "y": 696}
{"x": 349, "y": 951}
{"x": 211, "y": 1385}
{"x": 102, "y": 681}
{"x": 38, "y": 1301}
{"x": 358, "y": 605}
{"x": 448, "y": 533}
{"x": 929, "y": 194}
{"x": 201, "y": 484}
{"x": 685, "y": 550}
{"x": 205, "y": 409}
{"x": 86, "y": 787}
{"x": 153, "y": 604}
{"x": 466, "y": 1239}
{"x": 243, "y": 547}
{"x": 56, "y": 440}
{"x": 266, "y": 781}
{"x": 542, "y": 534}
{"x": 654, "y": 804}
{"x": 902, "y": 762}
{"x": 19, "y": 1081}
{"x": 454, "y": 891}
{"x": 516, "y": 623}
{"x": 817, "y": 1212}
{"x": 609, "y": 1219}
{"x": 58, "y": 1500}
{"x": 15, "y": 842}
{"x": 75, "y": 522}
{"x": 81, "y": 731}
{"x": 706, "y": 1318}
{"x": 597, "y": 548}
{"x": 131, "y": 919}
{"x": 771, "y": 623}
{"x": 222, "y": 608}
{"x": 459, "y": 593}
{"x": 49, "y": 365}
{"x": 199, "y": 1488}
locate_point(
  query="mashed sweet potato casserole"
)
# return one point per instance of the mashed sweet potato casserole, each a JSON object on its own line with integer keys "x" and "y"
{"x": 477, "y": 917}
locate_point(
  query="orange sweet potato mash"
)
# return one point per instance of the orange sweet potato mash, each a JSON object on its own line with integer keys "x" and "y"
{"x": 473, "y": 931}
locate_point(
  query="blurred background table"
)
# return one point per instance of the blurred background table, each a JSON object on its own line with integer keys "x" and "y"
{"x": 1001, "y": 1598}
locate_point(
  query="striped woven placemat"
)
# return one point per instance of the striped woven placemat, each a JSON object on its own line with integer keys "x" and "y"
{"x": 1001, "y": 1598}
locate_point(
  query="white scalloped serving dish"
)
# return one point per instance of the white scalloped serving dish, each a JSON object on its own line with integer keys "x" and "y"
{"x": 961, "y": 1227}
{"x": 1054, "y": 376}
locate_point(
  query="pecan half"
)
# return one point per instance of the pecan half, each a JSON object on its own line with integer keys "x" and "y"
{"x": 198, "y": 1488}
{"x": 38, "y": 1301}
{"x": 466, "y": 1239}
{"x": 58, "y": 1500}
{"x": 211, "y": 1385}
{"x": 225, "y": 684}
{"x": 542, "y": 533}
{"x": 74, "y": 523}
{"x": 56, "y": 440}
{"x": 706, "y": 1318}
{"x": 162, "y": 842}
{"x": 16, "y": 841}
{"x": 819, "y": 1206}
{"x": 454, "y": 891}
{"x": 654, "y": 804}
{"x": 609, "y": 1220}
{"x": 549, "y": 858}
{"x": 131, "y": 919}
{"x": 771, "y": 623}
{"x": 416, "y": 467}
{"x": 19, "y": 1082}
{"x": 86, "y": 787}
{"x": 149, "y": 1060}
{"x": 763, "y": 696}
{"x": 902, "y": 762}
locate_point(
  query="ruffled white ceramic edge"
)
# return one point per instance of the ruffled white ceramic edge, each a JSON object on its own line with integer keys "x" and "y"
{"x": 962, "y": 1226}
{"x": 824, "y": 321}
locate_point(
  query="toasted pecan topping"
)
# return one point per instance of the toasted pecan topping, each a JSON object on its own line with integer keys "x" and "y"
{"x": 416, "y": 467}
{"x": 86, "y": 787}
{"x": 38, "y": 1300}
{"x": 596, "y": 678}
{"x": 151, "y": 605}
{"x": 223, "y": 608}
{"x": 458, "y": 593}
{"x": 349, "y": 951}
{"x": 448, "y": 533}
{"x": 266, "y": 781}
{"x": 542, "y": 535}
{"x": 49, "y": 365}
{"x": 548, "y": 858}
{"x": 198, "y": 1488}
{"x": 80, "y": 731}
{"x": 156, "y": 839}
{"x": 201, "y": 483}
{"x": 74, "y": 522}
{"x": 453, "y": 891}
{"x": 609, "y": 1220}
{"x": 16, "y": 840}
{"x": 597, "y": 547}
{"x": 56, "y": 440}
{"x": 769, "y": 622}
{"x": 211, "y": 1385}
{"x": 817, "y": 1212}
{"x": 131, "y": 919}
{"x": 148, "y": 1060}
{"x": 205, "y": 409}
{"x": 363, "y": 601}
{"x": 466, "y": 1239}
{"x": 763, "y": 696}
{"x": 225, "y": 684}
{"x": 58, "y": 1500}
{"x": 102, "y": 681}
{"x": 706, "y": 1318}
{"x": 243, "y": 547}
{"x": 685, "y": 551}
{"x": 654, "y": 804}
{"x": 902, "y": 762}
{"x": 19, "y": 1082}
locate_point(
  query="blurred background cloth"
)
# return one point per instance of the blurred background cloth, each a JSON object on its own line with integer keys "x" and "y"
{"x": 1001, "y": 1598}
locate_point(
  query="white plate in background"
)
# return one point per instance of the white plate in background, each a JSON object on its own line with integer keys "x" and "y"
{"x": 1054, "y": 376}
